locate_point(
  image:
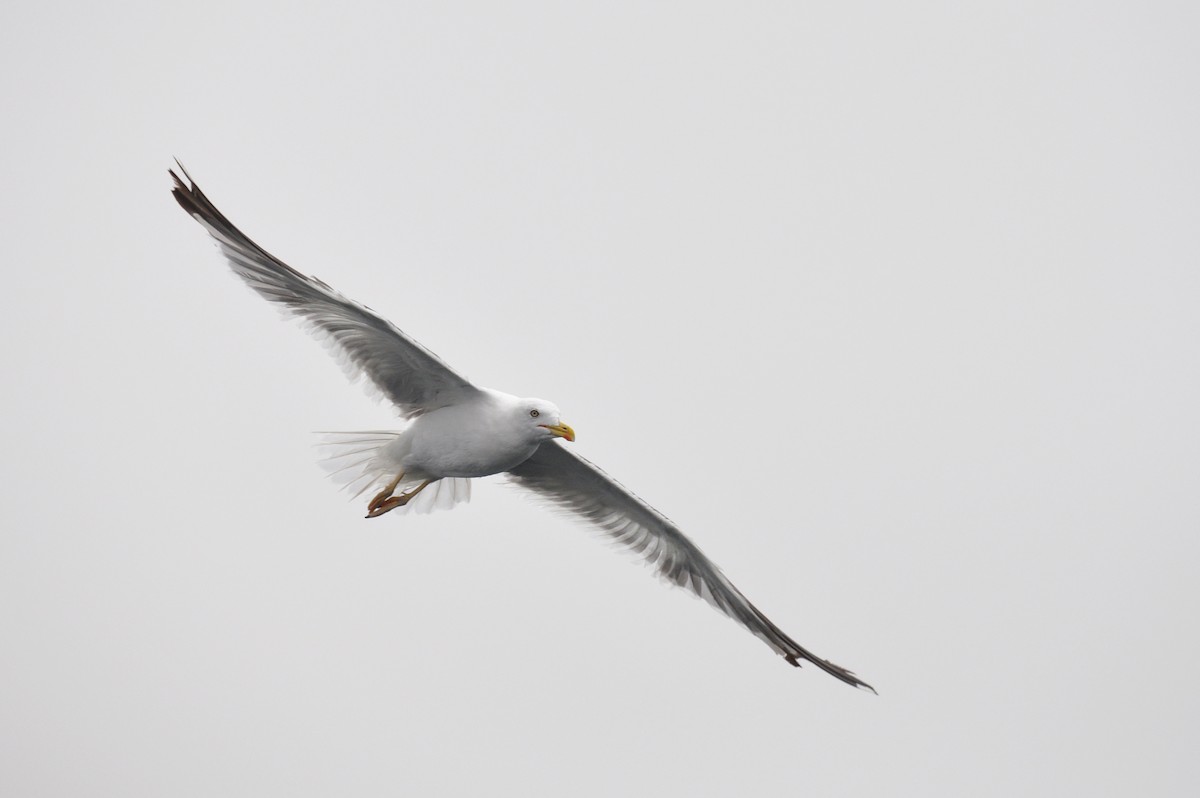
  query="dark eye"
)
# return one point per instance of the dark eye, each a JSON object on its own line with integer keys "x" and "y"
{"x": 534, "y": 414}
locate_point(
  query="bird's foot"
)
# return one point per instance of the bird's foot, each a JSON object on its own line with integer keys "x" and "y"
{"x": 385, "y": 504}
{"x": 383, "y": 495}
{"x": 379, "y": 499}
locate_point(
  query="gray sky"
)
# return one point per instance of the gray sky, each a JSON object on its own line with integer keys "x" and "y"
{"x": 893, "y": 308}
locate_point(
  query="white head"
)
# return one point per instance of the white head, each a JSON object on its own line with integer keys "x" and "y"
{"x": 543, "y": 420}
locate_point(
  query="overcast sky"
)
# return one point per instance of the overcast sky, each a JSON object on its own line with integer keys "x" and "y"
{"x": 894, "y": 308}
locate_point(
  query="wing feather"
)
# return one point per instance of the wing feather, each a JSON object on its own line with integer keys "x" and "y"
{"x": 409, "y": 375}
{"x": 571, "y": 483}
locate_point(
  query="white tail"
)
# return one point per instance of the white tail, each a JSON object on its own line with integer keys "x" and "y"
{"x": 361, "y": 461}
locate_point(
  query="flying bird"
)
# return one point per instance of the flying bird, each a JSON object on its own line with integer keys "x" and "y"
{"x": 457, "y": 431}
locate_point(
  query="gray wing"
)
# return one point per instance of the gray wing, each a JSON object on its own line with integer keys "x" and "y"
{"x": 413, "y": 378}
{"x": 571, "y": 483}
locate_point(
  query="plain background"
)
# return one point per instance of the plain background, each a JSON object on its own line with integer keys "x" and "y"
{"x": 893, "y": 307}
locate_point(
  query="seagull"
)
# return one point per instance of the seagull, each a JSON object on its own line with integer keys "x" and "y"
{"x": 457, "y": 431}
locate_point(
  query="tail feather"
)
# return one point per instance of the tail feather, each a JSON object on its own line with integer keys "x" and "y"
{"x": 362, "y": 461}
{"x": 356, "y": 460}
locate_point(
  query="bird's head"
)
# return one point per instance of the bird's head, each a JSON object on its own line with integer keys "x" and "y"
{"x": 544, "y": 421}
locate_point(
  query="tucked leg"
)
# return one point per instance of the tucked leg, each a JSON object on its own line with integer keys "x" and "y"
{"x": 392, "y": 502}
{"x": 385, "y": 493}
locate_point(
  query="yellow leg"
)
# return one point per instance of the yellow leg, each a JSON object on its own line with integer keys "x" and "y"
{"x": 386, "y": 492}
{"x": 391, "y": 503}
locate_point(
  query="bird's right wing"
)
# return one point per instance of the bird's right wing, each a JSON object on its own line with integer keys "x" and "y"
{"x": 413, "y": 378}
{"x": 571, "y": 483}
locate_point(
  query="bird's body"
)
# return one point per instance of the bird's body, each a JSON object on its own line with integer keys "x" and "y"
{"x": 488, "y": 434}
{"x": 457, "y": 431}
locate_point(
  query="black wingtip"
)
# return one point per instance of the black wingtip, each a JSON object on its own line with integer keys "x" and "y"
{"x": 178, "y": 180}
{"x": 183, "y": 191}
{"x": 192, "y": 199}
{"x": 836, "y": 671}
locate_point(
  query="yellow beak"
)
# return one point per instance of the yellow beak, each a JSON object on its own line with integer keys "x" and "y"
{"x": 561, "y": 430}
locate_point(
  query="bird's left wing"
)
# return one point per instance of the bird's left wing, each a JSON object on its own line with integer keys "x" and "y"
{"x": 571, "y": 483}
{"x": 413, "y": 378}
